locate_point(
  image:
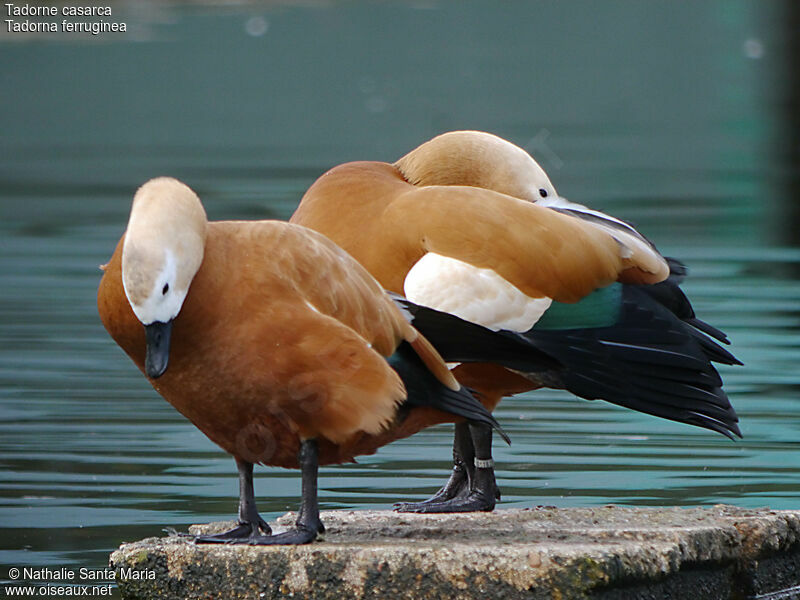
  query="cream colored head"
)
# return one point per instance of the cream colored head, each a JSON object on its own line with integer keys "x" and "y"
{"x": 163, "y": 248}
{"x": 477, "y": 159}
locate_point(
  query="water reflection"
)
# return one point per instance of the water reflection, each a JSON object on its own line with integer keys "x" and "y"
{"x": 670, "y": 136}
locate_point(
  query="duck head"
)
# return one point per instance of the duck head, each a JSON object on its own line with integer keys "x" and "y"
{"x": 477, "y": 159}
{"x": 161, "y": 254}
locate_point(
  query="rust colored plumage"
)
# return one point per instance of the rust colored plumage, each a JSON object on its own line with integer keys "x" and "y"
{"x": 282, "y": 337}
{"x": 540, "y": 251}
{"x": 388, "y": 219}
{"x": 522, "y": 288}
{"x": 274, "y": 342}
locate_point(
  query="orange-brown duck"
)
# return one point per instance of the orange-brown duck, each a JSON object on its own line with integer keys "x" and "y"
{"x": 273, "y": 341}
{"x": 522, "y": 287}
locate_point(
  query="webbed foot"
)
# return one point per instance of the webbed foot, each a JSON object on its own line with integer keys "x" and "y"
{"x": 474, "y": 501}
{"x": 241, "y": 534}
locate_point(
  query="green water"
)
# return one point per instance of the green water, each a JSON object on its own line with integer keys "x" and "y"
{"x": 680, "y": 117}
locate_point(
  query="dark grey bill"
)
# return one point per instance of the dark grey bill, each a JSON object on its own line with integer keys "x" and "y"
{"x": 156, "y": 358}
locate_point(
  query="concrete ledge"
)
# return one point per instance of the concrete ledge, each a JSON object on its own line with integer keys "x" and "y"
{"x": 609, "y": 553}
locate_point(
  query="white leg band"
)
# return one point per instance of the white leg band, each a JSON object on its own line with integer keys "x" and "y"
{"x": 484, "y": 464}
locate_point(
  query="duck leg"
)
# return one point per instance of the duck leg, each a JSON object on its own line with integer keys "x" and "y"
{"x": 250, "y": 522}
{"x": 308, "y": 524}
{"x": 472, "y": 486}
{"x": 460, "y": 476}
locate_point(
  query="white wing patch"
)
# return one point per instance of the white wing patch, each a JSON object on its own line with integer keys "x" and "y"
{"x": 477, "y": 295}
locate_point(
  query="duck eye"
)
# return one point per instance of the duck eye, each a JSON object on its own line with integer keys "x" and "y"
{"x": 543, "y": 192}
{"x": 165, "y": 289}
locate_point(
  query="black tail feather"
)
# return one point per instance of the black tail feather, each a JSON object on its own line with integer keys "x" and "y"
{"x": 656, "y": 359}
{"x": 650, "y": 360}
{"x": 669, "y": 294}
{"x": 714, "y": 351}
{"x": 709, "y": 330}
{"x": 423, "y": 389}
{"x": 457, "y": 339}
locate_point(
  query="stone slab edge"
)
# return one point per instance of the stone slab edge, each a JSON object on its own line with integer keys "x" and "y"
{"x": 518, "y": 553}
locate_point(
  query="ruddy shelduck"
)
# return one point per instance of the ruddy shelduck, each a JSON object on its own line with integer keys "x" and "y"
{"x": 523, "y": 288}
{"x": 273, "y": 341}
